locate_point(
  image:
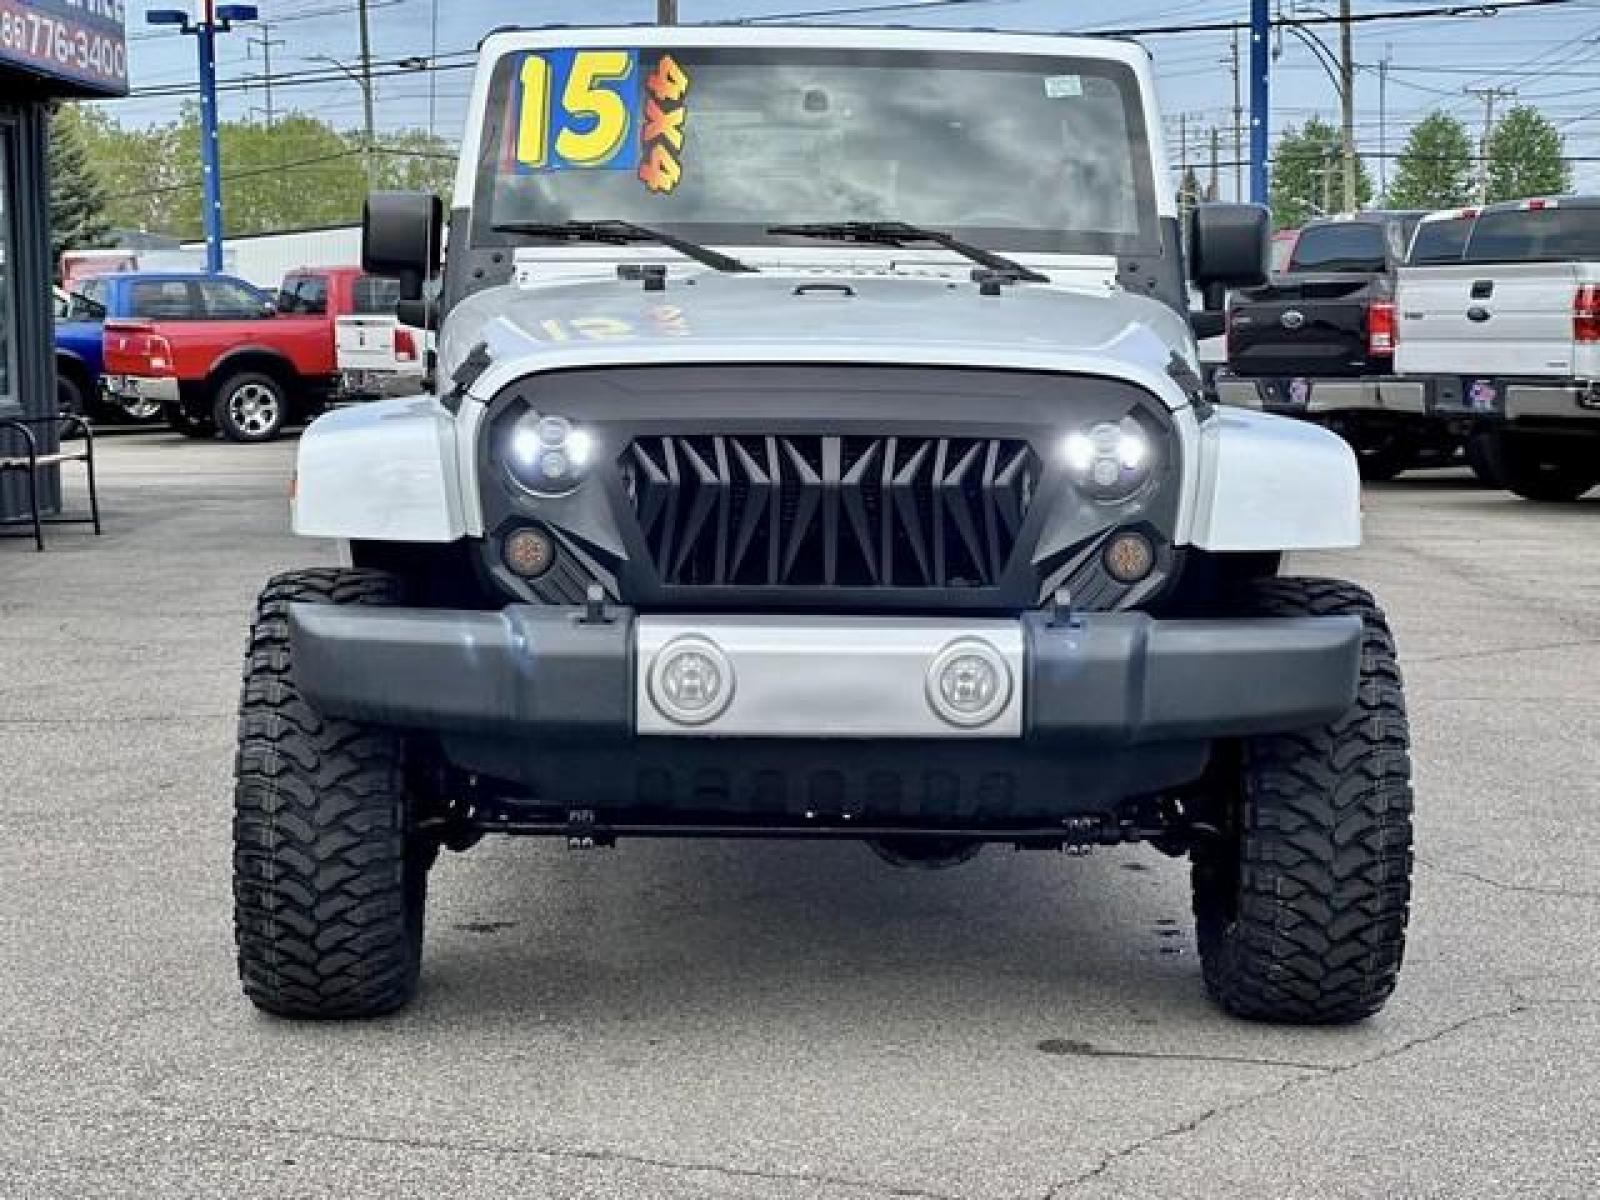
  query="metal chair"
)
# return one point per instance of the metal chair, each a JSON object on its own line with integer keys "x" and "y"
{"x": 32, "y": 463}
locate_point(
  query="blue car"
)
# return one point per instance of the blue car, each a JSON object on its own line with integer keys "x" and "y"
{"x": 80, "y": 332}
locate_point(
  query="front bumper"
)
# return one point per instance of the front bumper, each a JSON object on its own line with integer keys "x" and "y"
{"x": 547, "y": 675}
{"x": 123, "y": 389}
{"x": 1304, "y": 396}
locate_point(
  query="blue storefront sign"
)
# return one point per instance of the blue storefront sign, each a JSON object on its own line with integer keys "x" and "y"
{"x": 80, "y": 42}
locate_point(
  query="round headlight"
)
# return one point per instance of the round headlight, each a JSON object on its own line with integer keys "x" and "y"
{"x": 549, "y": 455}
{"x": 1110, "y": 461}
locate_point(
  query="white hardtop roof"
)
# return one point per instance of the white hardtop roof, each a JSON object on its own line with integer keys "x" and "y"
{"x": 851, "y": 37}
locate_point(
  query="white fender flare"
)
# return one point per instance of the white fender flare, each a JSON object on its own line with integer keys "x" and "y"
{"x": 385, "y": 471}
{"x": 1267, "y": 483}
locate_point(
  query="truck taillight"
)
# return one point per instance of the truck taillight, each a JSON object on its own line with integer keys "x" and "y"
{"x": 1586, "y": 313}
{"x": 133, "y": 349}
{"x": 405, "y": 345}
{"x": 1381, "y": 329}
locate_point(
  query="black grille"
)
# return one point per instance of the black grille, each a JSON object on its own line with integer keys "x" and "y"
{"x": 810, "y": 511}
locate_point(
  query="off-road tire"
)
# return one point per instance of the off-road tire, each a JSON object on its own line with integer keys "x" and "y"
{"x": 329, "y": 875}
{"x": 235, "y": 415}
{"x": 1301, "y": 902}
{"x": 1541, "y": 469}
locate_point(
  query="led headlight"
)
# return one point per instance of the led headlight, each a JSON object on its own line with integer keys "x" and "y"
{"x": 549, "y": 454}
{"x": 1110, "y": 461}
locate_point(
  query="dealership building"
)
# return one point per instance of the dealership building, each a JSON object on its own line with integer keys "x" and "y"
{"x": 50, "y": 51}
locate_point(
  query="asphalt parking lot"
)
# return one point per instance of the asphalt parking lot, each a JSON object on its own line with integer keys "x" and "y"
{"x": 734, "y": 1020}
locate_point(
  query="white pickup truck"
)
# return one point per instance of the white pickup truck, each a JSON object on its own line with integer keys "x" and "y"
{"x": 378, "y": 356}
{"x": 1500, "y": 317}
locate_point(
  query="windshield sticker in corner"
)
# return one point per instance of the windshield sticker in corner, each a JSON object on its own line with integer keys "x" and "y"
{"x": 598, "y": 110}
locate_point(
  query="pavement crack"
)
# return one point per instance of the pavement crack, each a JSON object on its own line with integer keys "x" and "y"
{"x": 1193, "y": 1124}
{"x": 1528, "y": 889}
{"x": 1241, "y": 1060}
{"x": 576, "y": 1154}
{"x": 1498, "y": 652}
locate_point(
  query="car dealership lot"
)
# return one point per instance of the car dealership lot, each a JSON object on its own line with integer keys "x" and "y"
{"x": 719, "y": 1019}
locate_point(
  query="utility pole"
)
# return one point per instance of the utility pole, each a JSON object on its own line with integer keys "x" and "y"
{"x": 1238, "y": 125}
{"x": 1260, "y": 97}
{"x": 266, "y": 41}
{"x": 366, "y": 89}
{"x": 666, "y": 12}
{"x": 1383, "y": 122}
{"x": 1213, "y": 188}
{"x": 1489, "y": 96}
{"x": 1347, "y": 100}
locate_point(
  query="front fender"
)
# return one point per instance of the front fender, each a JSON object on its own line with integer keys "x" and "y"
{"x": 1269, "y": 483}
{"x": 385, "y": 471}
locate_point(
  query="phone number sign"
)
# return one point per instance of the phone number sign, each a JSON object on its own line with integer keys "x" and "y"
{"x": 80, "y": 41}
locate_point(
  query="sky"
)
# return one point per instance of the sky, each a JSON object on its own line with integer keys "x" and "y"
{"x": 1549, "y": 56}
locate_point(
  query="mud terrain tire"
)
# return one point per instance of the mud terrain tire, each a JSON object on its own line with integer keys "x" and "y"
{"x": 1301, "y": 903}
{"x": 329, "y": 876}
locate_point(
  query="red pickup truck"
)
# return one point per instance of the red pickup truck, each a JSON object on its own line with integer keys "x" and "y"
{"x": 220, "y": 354}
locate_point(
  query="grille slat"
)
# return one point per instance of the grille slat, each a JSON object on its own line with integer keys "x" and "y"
{"x": 824, "y": 511}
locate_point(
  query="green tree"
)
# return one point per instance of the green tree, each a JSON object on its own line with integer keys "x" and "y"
{"x": 416, "y": 160}
{"x": 1307, "y": 174}
{"x": 1190, "y": 193}
{"x": 1525, "y": 157}
{"x": 1435, "y": 167}
{"x": 78, "y": 214}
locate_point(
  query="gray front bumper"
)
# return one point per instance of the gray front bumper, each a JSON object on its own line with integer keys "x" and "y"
{"x": 533, "y": 672}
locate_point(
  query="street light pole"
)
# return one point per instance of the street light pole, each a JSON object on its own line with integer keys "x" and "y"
{"x": 1260, "y": 97}
{"x": 210, "y": 150}
{"x": 215, "y": 19}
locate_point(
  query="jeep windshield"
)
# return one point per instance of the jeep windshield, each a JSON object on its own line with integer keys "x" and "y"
{"x": 1006, "y": 152}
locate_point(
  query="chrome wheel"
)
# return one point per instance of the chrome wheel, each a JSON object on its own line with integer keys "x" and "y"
{"x": 255, "y": 409}
{"x": 141, "y": 408}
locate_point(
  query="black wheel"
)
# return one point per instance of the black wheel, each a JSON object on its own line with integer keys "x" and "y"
{"x": 181, "y": 420}
{"x": 1547, "y": 470}
{"x": 69, "y": 396}
{"x": 1301, "y": 901}
{"x": 329, "y": 874}
{"x": 250, "y": 407}
{"x": 1385, "y": 460}
{"x": 1480, "y": 458}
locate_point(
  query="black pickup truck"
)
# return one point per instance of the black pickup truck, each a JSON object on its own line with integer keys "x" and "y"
{"x": 1318, "y": 342}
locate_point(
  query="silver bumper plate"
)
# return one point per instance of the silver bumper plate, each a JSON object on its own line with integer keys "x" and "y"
{"x": 736, "y": 676}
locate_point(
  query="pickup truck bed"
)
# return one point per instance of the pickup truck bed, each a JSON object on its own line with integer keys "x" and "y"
{"x": 1318, "y": 342}
{"x": 1508, "y": 336}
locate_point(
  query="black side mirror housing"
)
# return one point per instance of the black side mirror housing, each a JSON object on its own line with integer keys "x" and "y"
{"x": 401, "y": 236}
{"x": 1230, "y": 246}
{"x": 419, "y": 314}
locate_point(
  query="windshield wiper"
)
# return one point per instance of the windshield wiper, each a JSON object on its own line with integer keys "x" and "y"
{"x": 899, "y": 234}
{"x": 624, "y": 233}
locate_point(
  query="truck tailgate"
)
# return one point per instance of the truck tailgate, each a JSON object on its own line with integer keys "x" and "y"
{"x": 1313, "y": 325}
{"x": 366, "y": 343}
{"x": 1505, "y": 319}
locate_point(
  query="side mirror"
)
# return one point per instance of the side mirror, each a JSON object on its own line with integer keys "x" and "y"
{"x": 401, "y": 233}
{"x": 419, "y": 314}
{"x": 1230, "y": 246}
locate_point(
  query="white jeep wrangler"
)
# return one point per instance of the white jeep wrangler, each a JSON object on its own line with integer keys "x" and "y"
{"x": 820, "y": 452}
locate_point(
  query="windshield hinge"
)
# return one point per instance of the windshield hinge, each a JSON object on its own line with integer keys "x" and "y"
{"x": 478, "y": 361}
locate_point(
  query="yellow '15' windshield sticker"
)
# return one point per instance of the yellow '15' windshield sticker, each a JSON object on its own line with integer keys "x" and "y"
{"x": 588, "y": 110}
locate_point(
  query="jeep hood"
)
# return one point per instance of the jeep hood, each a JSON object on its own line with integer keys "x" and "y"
{"x": 811, "y": 316}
